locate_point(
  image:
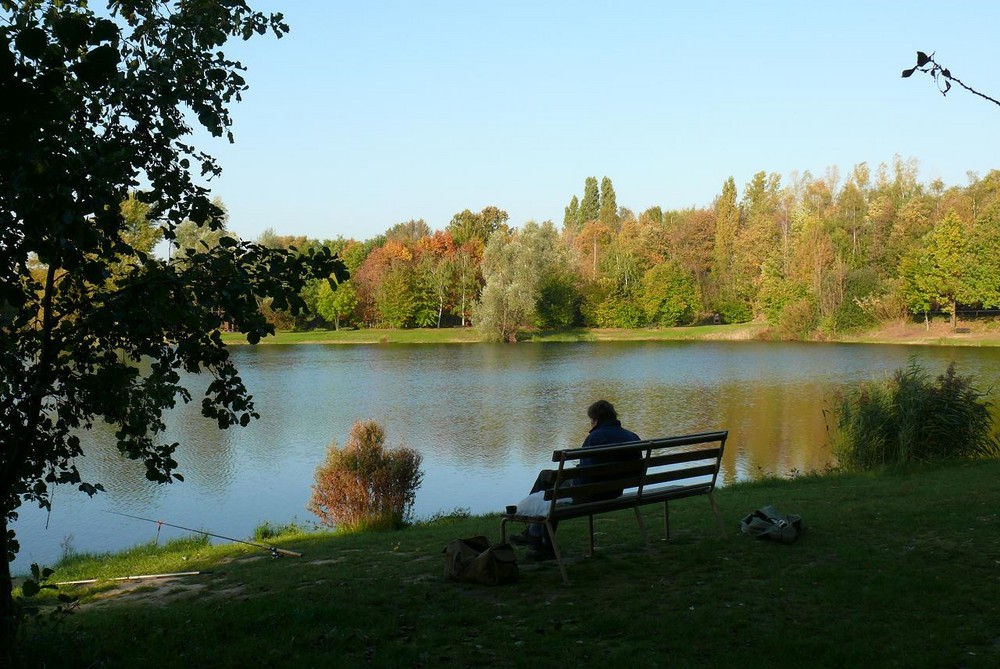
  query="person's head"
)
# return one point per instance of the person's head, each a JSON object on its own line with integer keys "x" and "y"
{"x": 601, "y": 411}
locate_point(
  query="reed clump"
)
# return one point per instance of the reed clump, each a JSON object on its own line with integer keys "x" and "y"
{"x": 366, "y": 485}
{"x": 911, "y": 417}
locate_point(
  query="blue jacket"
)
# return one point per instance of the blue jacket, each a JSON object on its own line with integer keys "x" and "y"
{"x": 602, "y": 434}
{"x": 610, "y": 432}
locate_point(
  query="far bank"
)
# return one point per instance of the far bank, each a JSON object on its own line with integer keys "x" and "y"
{"x": 938, "y": 334}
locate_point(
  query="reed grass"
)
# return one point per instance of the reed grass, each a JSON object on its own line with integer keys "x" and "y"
{"x": 912, "y": 417}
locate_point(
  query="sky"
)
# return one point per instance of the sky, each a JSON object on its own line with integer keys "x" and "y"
{"x": 372, "y": 113}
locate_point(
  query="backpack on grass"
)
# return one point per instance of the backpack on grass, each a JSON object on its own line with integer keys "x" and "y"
{"x": 769, "y": 523}
{"x": 477, "y": 560}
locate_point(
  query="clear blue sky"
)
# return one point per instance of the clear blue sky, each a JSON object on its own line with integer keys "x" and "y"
{"x": 372, "y": 113}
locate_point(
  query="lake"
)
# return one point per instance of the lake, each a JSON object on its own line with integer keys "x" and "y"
{"x": 485, "y": 418}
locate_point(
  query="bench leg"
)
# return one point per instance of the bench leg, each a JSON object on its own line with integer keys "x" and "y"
{"x": 642, "y": 527}
{"x": 666, "y": 520}
{"x": 718, "y": 518}
{"x": 590, "y": 520}
{"x": 555, "y": 549}
{"x": 503, "y": 530}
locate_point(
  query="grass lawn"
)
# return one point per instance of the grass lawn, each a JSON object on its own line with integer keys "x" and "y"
{"x": 939, "y": 334}
{"x": 471, "y": 335}
{"x": 893, "y": 570}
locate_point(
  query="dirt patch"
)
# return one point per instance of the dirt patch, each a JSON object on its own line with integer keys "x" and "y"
{"x": 938, "y": 332}
{"x": 159, "y": 592}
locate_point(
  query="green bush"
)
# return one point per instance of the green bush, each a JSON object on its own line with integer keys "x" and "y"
{"x": 798, "y": 319}
{"x": 366, "y": 486}
{"x": 911, "y": 418}
{"x": 733, "y": 310}
{"x": 849, "y": 316}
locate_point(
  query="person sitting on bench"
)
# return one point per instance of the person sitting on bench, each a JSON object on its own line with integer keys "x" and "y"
{"x": 605, "y": 428}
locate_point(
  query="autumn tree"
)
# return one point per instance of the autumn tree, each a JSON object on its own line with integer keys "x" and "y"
{"x": 408, "y": 232}
{"x": 95, "y": 106}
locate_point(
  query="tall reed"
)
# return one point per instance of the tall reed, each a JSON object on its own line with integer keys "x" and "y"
{"x": 912, "y": 418}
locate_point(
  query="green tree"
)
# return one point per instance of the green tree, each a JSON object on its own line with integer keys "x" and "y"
{"x": 205, "y": 233}
{"x": 590, "y": 205}
{"x": 506, "y": 298}
{"x": 935, "y": 273}
{"x": 727, "y": 227}
{"x": 468, "y": 278}
{"x": 669, "y": 295}
{"x": 336, "y": 303}
{"x": 93, "y": 105}
{"x": 395, "y": 298}
{"x": 727, "y": 221}
{"x": 571, "y": 217}
{"x": 515, "y": 266}
{"x": 437, "y": 275}
{"x": 608, "y": 212}
{"x": 140, "y": 233}
{"x": 983, "y": 267}
{"x": 558, "y": 304}
{"x": 466, "y": 226}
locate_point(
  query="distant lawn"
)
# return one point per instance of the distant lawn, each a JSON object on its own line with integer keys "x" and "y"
{"x": 893, "y": 570}
{"x": 471, "y": 335}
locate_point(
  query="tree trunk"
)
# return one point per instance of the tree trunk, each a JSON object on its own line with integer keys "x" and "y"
{"x": 927, "y": 321}
{"x": 954, "y": 316}
{"x": 8, "y": 622}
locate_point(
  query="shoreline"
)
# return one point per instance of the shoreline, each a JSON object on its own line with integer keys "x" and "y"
{"x": 915, "y": 334}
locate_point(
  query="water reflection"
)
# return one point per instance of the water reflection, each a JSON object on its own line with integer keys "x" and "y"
{"x": 488, "y": 415}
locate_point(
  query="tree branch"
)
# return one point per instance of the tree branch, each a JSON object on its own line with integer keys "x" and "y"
{"x": 926, "y": 63}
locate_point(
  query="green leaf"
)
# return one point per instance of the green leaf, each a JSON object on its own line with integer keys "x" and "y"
{"x": 105, "y": 31}
{"x": 30, "y": 588}
{"x": 907, "y": 73}
{"x": 72, "y": 31}
{"x": 922, "y": 59}
{"x": 31, "y": 42}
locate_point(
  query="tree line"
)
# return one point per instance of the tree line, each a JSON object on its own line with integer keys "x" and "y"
{"x": 809, "y": 255}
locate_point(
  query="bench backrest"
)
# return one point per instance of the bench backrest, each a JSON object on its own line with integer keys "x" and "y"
{"x": 644, "y": 470}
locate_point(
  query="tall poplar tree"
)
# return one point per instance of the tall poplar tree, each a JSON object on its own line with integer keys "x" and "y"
{"x": 727, "y": 220}
{"x": 608, "y": 214}
{"x": 590, "y": 205}
{"x": 571, "y": 218}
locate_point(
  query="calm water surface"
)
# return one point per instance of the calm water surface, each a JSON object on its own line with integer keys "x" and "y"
{"x": 486, "y": 419}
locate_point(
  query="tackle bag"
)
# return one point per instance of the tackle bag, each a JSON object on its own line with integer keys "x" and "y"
{"x": 477, "y": 560}
{"x": 769, "y": 523}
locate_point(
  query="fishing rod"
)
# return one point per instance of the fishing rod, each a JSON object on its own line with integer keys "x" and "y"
{"x": 275, "y": 551}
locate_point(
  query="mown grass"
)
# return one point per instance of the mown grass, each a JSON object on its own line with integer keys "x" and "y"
{"x": 894, "y": 570}
{"x": 471, "y": 335}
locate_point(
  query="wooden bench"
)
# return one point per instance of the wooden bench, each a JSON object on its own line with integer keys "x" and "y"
{"x": 649, "y": 472}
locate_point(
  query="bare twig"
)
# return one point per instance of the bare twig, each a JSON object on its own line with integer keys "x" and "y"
{"x": 926, "y": 63}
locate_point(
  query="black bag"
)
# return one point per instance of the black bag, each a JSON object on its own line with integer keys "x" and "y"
{"x": 476, "y": 560}
{"x": 768, "y": 523}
